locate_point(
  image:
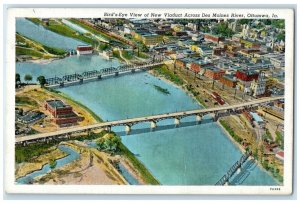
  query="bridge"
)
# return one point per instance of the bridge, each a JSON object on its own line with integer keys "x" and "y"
{"x": 76, "y": 78}
{"x": 236, "y": 167}
{"x": 153, "y": 120}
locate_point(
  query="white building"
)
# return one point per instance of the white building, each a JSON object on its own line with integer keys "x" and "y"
{"x": 258, "y": 86}
{"x": 84, "y": 49}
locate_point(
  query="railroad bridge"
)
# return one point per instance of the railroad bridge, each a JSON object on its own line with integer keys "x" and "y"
{"x": 236, "y": 167}
{"x": 76, "y": 78}
{"x": 153, "y": 120}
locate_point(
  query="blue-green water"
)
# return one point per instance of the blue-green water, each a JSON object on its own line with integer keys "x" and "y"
{"x": 72, "y": 156}
{"x": 191, "y": 154}
{"x": 47, "y": 37}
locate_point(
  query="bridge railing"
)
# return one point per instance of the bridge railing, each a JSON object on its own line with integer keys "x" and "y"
{"x": 94, "y": 73}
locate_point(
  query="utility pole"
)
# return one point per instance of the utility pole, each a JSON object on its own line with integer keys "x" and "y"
{"x": 213, "y": 84}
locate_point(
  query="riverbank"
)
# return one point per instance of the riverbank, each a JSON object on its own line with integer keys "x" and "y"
{"x": 29, "y": 49}
{"x": 37, "y": 161}
{"x": 37, "y": 97}
{"x": 255, "y": 150}
{"x": 59, "y": 28}
{"x": 167, "y": 76}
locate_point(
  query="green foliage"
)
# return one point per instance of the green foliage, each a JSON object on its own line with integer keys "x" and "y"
{"x": 280, "y": 36}
{"x": 110, "y": 143}
{"x": 164, "y": 71}
{"x": 41, "y": 80}
{"x": 127, "y": 55}
{"x": 18, "y": 78}
{"x": 279, "y": 139}
{"x": 27, "y": 77}
{"x": 28, "y": 51}
{"x": 104, "y": 46}
{"x": 25, "y": 154}
{"x": 24, "y": 100}
{"x": 278, "y": 23}
{"x": 147, "y": 176}
{"x": 230, "y": 131}
{"x": 92, "y": 30}
{"x": 223, "y": 30}
{"x": 52, "y": 163}
{"x": 55, "y": 51}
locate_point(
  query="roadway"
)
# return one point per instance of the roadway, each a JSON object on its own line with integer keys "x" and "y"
{"x": 133, "y": 121}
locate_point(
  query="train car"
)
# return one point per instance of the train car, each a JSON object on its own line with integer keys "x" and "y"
{"x": 218, "y": 98}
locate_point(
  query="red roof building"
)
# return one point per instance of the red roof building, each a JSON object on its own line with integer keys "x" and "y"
{"x": 246, "y": 75}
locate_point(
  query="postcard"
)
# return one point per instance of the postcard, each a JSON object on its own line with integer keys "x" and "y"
{"x": 149, "y": 101}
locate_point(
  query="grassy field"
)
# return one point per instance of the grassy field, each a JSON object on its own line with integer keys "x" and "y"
{"x": 24, "y": 101}
{"x": 25, "y": 154}
{"x": 30, "y": 52}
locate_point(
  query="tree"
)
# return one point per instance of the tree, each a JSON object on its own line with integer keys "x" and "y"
{"x": 27, "y": 77}
{"x": 41, "y": 80}
{"x": 18, "y": 79}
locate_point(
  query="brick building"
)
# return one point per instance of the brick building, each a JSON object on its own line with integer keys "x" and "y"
{"x": 214, "y": 73}
{"x": 213, "y": 38}
{"x": 63, "y": 115}
{"x": 197, "y": 66}
{"x": 247, "y": 75}
{"x": 228, "y": 80}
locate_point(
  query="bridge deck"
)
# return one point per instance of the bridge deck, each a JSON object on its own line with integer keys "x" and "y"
{"x": 143, "y": 119}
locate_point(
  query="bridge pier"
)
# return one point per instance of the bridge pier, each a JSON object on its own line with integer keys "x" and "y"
{"x": 99, "y": 76}
{"x": 198, "y": 118}
{"x": 177, "y": 121}
{"x": 61, "y": 84}
{"x": 133, "y": 70}
{"x": 127, "y": 129}
{"x": 153, "y": 124}
{"x": 215, "y": 117}
{"x": 226, "y": 183}
{"x": 108, "y": 128}
{"x": 81, "y": 81}
{"x": 239, "y": 170}
{"x": 116, "y": 73}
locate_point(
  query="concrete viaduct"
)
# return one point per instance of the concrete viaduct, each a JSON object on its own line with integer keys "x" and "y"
{"x": 153, "y": 120}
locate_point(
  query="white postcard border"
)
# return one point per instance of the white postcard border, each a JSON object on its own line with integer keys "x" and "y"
{"x": 9, "y": 177}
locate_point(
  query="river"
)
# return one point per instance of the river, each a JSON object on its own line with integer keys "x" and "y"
{"x": 189, "y": 155}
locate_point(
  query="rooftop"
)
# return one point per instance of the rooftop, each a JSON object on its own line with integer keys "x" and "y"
{"x": 256, "y": 117}
{"x": 56, "y": 103}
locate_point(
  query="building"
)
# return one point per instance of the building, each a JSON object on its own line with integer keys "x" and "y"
{"x": 279, "y": 104}
{"x": 257, "y": 120}
{"x": 63, "y": 115}
{"x": 246, "y": 75}
{"x": 258, "y": 86}
{"x": 199, "y": 65}
{"x": 147, "y": 38}
{"x": 213, "y": 38}
{"x": 213, "y": 73}
{"x": 228, "y": 80}
{"x": 84, "y": 49}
